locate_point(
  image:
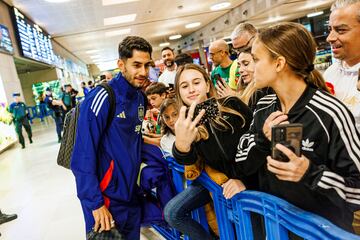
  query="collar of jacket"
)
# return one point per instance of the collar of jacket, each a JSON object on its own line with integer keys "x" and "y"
{"x": 125, "y": 88}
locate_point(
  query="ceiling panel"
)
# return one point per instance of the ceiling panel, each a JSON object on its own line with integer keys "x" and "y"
{"x": 78, "y": 25}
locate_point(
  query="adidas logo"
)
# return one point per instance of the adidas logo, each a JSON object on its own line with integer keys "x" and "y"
{"x": 307, "y": 145}
{"x": 121, "y": 115}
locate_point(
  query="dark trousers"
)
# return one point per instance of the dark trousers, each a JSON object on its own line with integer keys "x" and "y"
{"x": 18, "y": 128}
{"x": 59, "y": 123}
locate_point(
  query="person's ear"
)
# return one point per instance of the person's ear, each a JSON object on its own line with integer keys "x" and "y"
{"x": 121, "y": 65}
{"x": 163, "y": 95}
{"x": 280, "y": 64}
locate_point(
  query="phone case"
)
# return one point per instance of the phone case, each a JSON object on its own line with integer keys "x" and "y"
{"x": 289, "y": 135}
{"x": 211, "y": 110}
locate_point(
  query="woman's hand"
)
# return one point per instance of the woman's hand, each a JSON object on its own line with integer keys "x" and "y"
{"x": 274, "y": 119}
{"x": 223, "y": 89}
{"x": 232, "y": 187}
{"x": 293, "y": 170}
{"x": 185, "y": 128}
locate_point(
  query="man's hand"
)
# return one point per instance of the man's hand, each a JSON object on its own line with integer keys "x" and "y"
{"x": 293, "y": 170}
{"x": 232, "y": 187}
{"x": 103, "y": 219}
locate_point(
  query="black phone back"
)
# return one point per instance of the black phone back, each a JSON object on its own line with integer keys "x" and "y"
{"x": 289, "y": 135}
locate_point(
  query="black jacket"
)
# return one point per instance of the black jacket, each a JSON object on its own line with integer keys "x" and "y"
{"x": 210, "y": 150}
{"x": 331, "y": 185}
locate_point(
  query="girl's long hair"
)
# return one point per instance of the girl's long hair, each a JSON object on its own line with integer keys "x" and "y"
{"x": 219, "y": 122}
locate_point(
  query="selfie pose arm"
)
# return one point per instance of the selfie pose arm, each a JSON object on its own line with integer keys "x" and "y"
{"x": 186, "y": 132}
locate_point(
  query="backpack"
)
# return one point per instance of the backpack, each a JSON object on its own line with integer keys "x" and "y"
{"x": 70, "y": 126}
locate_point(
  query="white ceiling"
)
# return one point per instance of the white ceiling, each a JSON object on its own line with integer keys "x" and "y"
{"x": 78, "y": 25}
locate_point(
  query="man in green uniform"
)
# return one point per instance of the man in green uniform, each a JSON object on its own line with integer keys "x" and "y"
{"x": 19, "y": 111}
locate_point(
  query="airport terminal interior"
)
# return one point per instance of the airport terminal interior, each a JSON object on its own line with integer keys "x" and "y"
{"x": 61, "y": 49}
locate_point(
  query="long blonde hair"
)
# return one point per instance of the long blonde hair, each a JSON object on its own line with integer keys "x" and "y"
{"x": 296, "y": 44}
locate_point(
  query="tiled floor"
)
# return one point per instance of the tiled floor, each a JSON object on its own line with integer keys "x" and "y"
{"x": 43, "y": 194}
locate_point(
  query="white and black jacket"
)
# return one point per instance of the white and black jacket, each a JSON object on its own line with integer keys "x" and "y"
{"x": 331, "y": 185}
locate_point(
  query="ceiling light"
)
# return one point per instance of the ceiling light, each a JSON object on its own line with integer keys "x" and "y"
{"x": 173, "y": 37}
{"x": 57, "y": 1}
{"x": 164, "y": 44}
{"x": 118, "y": 32}
{"x": 220, "y": 6}
{"x": 92, "y": 51}
{"x": 193, "y": 25}
{"x": 113, "y": 2}
{"x": 119, "y": 19}
{"x": 95, "y": 57}
{"x": 314, "y": 14}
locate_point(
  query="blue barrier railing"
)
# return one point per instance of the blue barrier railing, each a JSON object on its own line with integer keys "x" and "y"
{"x": 280, "y": 217}
{"x": 39, "y": 111}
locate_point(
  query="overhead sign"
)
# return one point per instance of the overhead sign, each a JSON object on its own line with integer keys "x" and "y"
{"x": 34, "y": 42}
{"x": 5, "y": 40}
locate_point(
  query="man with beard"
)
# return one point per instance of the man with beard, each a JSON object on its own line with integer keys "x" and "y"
{"x": 219, "y": 55}
{"x": 344, "y": 74}
{"x": 168, "y": 76}
{"x": 344, "y": 26}
{"x": 106, "y": 160}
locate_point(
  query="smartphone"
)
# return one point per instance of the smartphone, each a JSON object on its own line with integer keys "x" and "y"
{"x": 217, "y": 77}
{"x": 211, "y": 110}
{"x": 289, "y": 135}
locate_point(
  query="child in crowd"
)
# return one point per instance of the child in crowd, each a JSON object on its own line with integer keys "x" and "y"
{"x": 325, "y": 178}
{"x": 156, "y": 94}
{"x": 169, "y": 114}
{"x": 213, "y": 140}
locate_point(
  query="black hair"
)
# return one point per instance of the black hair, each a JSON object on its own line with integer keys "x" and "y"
{"x": 167, "y": 48}
{"x": 131, "y": 43}
{"x": 182, "y": 59}
{"x": 155, "y": 88}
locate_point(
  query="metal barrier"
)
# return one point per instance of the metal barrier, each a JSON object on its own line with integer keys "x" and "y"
{"x": 39, "y": 111}
{"x": 280, "y": 217}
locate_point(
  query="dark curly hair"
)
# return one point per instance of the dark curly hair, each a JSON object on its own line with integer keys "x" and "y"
{"x": 131, "y": 43}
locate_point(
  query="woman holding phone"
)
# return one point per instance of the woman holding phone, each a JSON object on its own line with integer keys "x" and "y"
{"x": 325, "y": 178}
{"x": 214, "y": 141}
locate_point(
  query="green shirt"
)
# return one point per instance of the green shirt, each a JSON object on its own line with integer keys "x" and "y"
{"x": 223, "y": 72}
{"x": 18, "y": 110}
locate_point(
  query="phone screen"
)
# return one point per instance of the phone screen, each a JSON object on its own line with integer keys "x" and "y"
{"x": 289, "y": 135}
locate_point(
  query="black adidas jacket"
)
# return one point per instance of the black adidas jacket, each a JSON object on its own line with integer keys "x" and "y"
{"x": 331, "y": 185}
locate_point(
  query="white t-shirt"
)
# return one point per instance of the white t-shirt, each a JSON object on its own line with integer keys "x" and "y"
{"x": 344, "y": 80}
{"x": 167, "y": 142}
{"x": 167, "y": 77}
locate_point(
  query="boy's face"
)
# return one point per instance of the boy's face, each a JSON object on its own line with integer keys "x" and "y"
{"x": 156, "y": 100}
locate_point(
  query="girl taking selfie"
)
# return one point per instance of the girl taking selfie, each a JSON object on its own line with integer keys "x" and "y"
{"x": 212, "y": 136}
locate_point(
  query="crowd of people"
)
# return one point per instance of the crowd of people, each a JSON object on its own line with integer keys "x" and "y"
{"x": 271, "y": 83}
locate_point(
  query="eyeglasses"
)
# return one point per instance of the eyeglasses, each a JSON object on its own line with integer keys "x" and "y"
{"x": 244, "y": 47}
{"x": 212, "y": 54}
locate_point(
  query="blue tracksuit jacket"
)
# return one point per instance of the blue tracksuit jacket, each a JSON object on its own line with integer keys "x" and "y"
{"x": 106, "y": 164}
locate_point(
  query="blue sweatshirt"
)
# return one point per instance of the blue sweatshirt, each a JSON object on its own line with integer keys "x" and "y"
{"x": 106, "y": 164}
